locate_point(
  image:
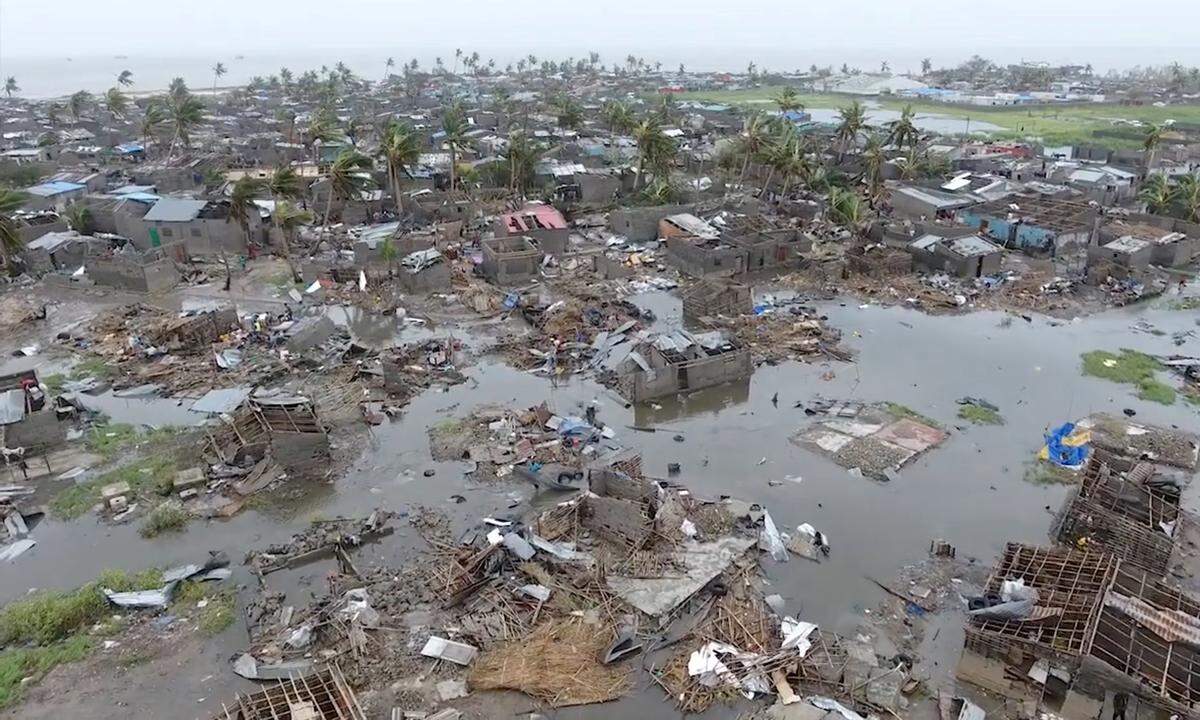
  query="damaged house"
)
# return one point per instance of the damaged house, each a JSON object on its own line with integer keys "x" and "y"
{"x": 148, "y": 271}
{"x": 969, "y": 256}
{"x": 509, "y": 260}
{"x": 696, "y": 248}
{"x": 276, "y": 428}
{"x": 1175, "y": 242}
{"x": 1033, "y": 224}
{"x": 1064, "y": 630}
{"x": 716, "y": 296}
{"x": 681, "y": 362}
{"x": 29, "y": 424}
{"x": 767, "y": 246}
{"x": 542, "y": 223}
{"x": 203, "y": 227}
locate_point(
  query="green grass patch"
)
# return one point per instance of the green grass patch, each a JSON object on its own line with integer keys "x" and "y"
{"x": 35, "y": 662}
{"x": 54, "y": 383}
{"x": 217, "y": 613}
{"x": 154, "y": 473}
{"x": 1132, "y": 368}
{"x": 1041, "y": 472}
{"x": 1052, "y": 124}
{"x": 979, "y": 415}
{"x": 1191, "y": 397}
{"x": 50, "y": 628}
{"x": 91, "y": 367}
{"x": 50, "y": 616}
{"x": 903, "y": 411}
{"x": 108, "y": 439}
{"x": 167, "y": 516}
{"x": 1154, "y": 391}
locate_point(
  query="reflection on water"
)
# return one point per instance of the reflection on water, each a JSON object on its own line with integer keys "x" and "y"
{"x": 709, "y": 401}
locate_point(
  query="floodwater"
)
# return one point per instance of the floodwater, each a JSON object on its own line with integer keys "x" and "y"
{"x": 930, "y": 122}
{"x": 735, "y": 440}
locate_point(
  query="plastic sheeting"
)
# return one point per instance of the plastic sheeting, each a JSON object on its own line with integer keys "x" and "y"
{"x": 1066, "y": 447}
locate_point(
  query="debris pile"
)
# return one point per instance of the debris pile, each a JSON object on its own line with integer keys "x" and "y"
{"x": 871, "y": 440}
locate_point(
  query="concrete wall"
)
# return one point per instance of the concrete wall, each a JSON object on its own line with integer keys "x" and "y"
{"x": 202, "y": 236}
{"x": 1139, "y": 260}
{"x": 641, "y": 223}
{"x": 39, "y": 431}
{"x": 698, "y": 261}
{"x": 642, "y": 385}
{"x": 504, "y": 266}
{"x": 435, "y": 278}
{"x": 154, "y": 276}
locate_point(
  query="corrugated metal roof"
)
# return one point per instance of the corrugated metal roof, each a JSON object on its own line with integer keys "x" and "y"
{"x": 221, "y": 401}
{"x": 170, "y": 209}
{"x": 973, "y": 245}
{"x": 12, "y": 406}
{"x": 50, "y": 189}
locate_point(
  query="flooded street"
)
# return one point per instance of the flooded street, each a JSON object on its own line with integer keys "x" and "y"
{"x": 735, "y": 441}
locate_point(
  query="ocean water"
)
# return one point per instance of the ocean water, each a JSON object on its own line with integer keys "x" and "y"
{"x": 60, "y": 75}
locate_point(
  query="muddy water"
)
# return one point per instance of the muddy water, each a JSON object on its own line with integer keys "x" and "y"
{"x": 735, "y": 440}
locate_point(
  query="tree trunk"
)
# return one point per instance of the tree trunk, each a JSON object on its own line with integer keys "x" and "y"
{"x": 328, "y": 205}
{"x": 453, "y": 163}
{"x": 228, "y": 274}
{"x": 396, "y": 191}
{"x": 745, "y": 167}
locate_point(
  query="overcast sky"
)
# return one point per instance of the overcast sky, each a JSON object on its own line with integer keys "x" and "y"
{"x": 1114, "y": 32}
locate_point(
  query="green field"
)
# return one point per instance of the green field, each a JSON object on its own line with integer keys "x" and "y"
{"x": 1069, "y": 125}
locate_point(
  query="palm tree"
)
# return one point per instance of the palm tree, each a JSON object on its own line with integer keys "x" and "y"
{"x": 348, "y": 177}
{"x": 570, "y": 114}
{"x": 655, "y": 149}
{"x": 846, "y": 209}
{"x": 1157, "y": 193}
{"x": 10, "y": 86}
{"x": 618, "y": 116}
{"x": 903, "y": 131}
{"x": 79, "y": 218}
{"x": 241, "y": 204}
{"x": 116, "y": 102}
{"x": 183, "y": 113}
{"x": 874, "y": 161}
{"x": 387, "y": 67}
{"x": 1188, "y": 196}
{"x": 152, "y": 121}
{"x": 78, "y": 103}
{"x": 11, "y": 242}
{"x": 286, "y": 77}
{"x": 125, "y": 79}
{"x": 522, "y": 159}
{"x": 1150, "y": 144}
{"x": 755, "y": 134}
{"x": 401, "y": 148}
{"x": 178, "y": 89}
{"x": 454, "y": 125}
{"x": 289, "y": 218}
{"x": 218, "y": 73}
{"x": 287, "y": 118}
{"x": 926, "y": 66}
{"x": 788, "y": 99}
{"x": 884, "y": 67}
{"x": 853, "y": 121}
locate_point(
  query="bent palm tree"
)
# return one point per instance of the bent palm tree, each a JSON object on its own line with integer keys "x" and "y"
{"x": 1188, "y": 197}
{"x": 11, "y": 87}
{"x": 755, "y": 134}
{"x": 184, "y": 114}
{"x": 401, "y": 150}
{"x": 522, "y": 159}
{"x": 652, "y": 146}
{"x": 218, "y": 73}
{"x": 116, "y": 102}
{"x": 788, "y": 99}
{"x": 454, "y": 125}
{"x": 241, "y": 204}
{"x": 10, "y": 237}
{"x": 125, "y": 79}
{"x": 349, "y": 178}
{"x": 1157, "y": 193}
{"x": 289, "y": 218}
{"x": 79, "y": 218}
{"x": 78, "y": 103}
{"x": 152, "y": 121}
{"x": 853, "y": 121}
{"x": 618, "y": 116}
{"x": 903, "y": 131}
{"x": 1150, "y": 144}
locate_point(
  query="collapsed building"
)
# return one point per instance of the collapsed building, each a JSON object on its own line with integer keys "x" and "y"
{"x": 281, "y": 428}
{"x": 711, "y": 297}
{"x": 967, "y": 257}
{"x": 509, "y": 260}
{"x": 1033, "y": 223}
{"x": 681, "y": 362}
{"x": 1069, "y": 628}
{"x": 148, "y": 271}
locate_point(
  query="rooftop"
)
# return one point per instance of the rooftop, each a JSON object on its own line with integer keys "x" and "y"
{"x": 175, "y": 210}
{"x": 50, "y": 189}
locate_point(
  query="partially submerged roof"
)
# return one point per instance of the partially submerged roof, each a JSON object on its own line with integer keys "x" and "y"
{"x": 170, "y": 209}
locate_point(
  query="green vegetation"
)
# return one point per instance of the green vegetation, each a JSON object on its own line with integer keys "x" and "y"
{"x": 94, "y": 367}
{"x": 980, "y": 415}
{"x": 218, "y": 611}
{"x": 1131, "y": 368}
{"x": 48, "y": 628}
{"x": 152, "y": 473}
{"x": 1041, "y": 472}
{"x": 903, "y": 411}
{"x": 34, "y": 662}
{"x": 108, "y": 439}
{"x": 1054, "y": 125}
{"x": 54, "y": 382}
{"x": 168, "y": 515}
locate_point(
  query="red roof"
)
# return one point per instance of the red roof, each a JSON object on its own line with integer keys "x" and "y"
{"x": 534, "y": 217}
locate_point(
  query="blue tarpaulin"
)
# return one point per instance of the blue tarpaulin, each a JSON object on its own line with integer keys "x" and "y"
{"x": 1059, "y": 452}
